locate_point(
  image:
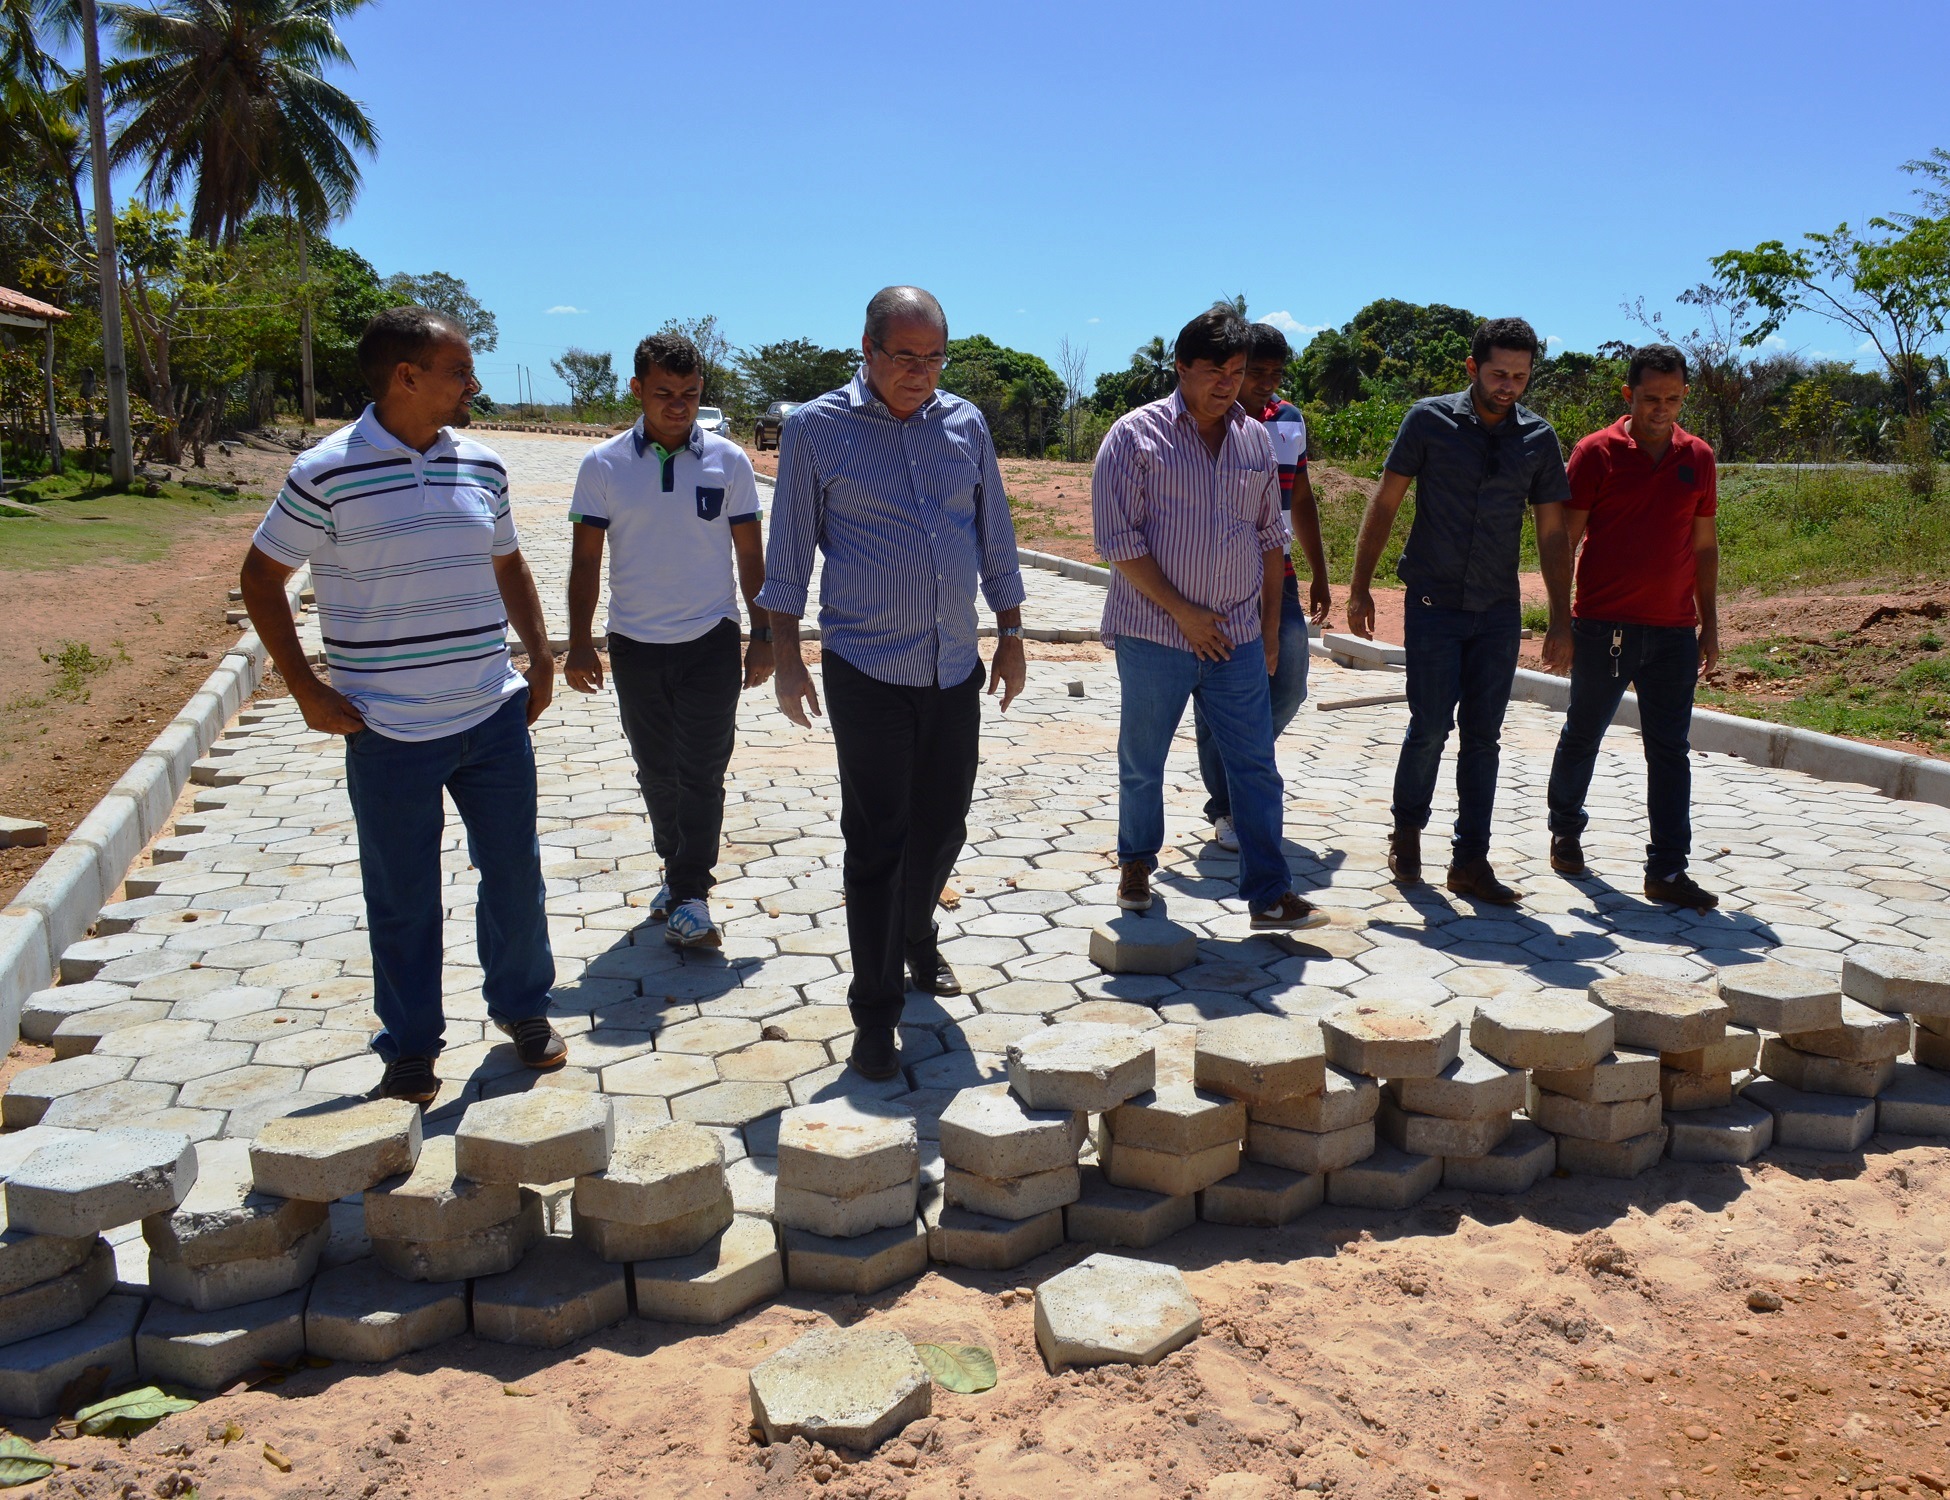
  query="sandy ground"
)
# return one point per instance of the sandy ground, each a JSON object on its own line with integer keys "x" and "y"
{"x": 161, "y": 624}
{"x": 1592, "y": 1338}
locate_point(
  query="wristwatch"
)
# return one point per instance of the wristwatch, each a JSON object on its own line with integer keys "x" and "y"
{"x": 761, "y": 633}
{"x": 1003, "y": 632}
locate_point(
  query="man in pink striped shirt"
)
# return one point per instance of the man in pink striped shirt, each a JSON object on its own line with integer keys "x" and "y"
{"x": 1186, "y": 501}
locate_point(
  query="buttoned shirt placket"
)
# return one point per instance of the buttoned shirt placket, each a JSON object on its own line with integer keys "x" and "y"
{"x": 927, "y": 506}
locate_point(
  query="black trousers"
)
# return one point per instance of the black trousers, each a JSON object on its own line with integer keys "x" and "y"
{"x": 679, "y": 705}
{"x": 907, "y": 770}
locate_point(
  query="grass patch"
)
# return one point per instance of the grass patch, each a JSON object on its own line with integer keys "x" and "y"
{"x": 1782, "y": 531}
{"x": 74, "y": 662}
{"x": 1858, "y": 688}
{"x": 79, "y": 522}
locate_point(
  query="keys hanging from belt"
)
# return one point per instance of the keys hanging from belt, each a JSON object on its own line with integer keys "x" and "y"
{"x": 1617, "y": 648}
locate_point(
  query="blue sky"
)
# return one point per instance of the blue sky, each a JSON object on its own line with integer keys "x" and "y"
{"x": 1103, "y": 171}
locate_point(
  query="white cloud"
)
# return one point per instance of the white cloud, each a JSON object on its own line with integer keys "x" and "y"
{"x": 1867, "y": 346}
{"x": 1775, "y": 342}
{"x": 1287, "y": 323}
{"x": 563, "y": 307}
{"x": 1093, "y": 320}
{"x": 1552, "y": 340}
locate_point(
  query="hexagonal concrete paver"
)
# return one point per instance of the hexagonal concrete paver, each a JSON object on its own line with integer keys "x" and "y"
{"x": 1782, "y": 997}
{"x": 1897, "y": 979}
{"x": 1390, "y": 1038}
{"x": 1110, "y": 1309}
{"x": 1260, "y": 1059}
{"x": 545, "y": 1135}
{"x": 1551, "y": 1029}
{"x": 100, "y": 1181}
{"x": 987, "y": 1129}
{"x": 1661, "y": 1015}
{"x": 1080, "y": 1065}
{"x": 846, "y": 1387}
{"x": 329, "y": 1151}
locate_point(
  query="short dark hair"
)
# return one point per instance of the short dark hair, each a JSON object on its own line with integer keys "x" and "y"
{"x": 892, "y": 302}
{"x": 1268, "y": 345}
{"x": 1661, "y": 359}
{"x": 1216, "y": 334}
{"x": 402, "y": 334}
{"x": 1504, "y": 333}
{"x": 667, "y": 351}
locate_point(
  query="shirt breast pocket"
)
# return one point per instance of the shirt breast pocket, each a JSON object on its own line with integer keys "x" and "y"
{"x": 1242, "y": 488}
{"x": 955, "y": 484}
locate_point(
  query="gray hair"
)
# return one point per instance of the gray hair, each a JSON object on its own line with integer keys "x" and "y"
{"x": 892, "y": 303}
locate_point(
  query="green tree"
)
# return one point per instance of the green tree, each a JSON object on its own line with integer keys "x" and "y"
{"x": 1148, "y": 377}
{"x": 794, "y": 370}
{"x": 591, "y": 378}
{"x": 229, "y": 97}
{"x": 714, "y": 355}
{"x": 1006, "y": 382}
{"x": 1394, "y": 350}
{"x": 450, "y": 295}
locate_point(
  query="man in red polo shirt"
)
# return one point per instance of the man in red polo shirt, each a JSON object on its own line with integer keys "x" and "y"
{"x": 1643, "y": 494}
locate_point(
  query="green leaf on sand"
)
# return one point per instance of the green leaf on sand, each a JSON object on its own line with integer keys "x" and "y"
{"x": 961, "y": 1368}
{"x": 22, "y": 1463}
{"x": 130, "y": 1412}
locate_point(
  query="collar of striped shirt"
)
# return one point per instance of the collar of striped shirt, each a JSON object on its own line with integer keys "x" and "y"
{"x": 1175, "y": 404}
{"x": 375, "y": 433}
{"x": 860, "y": 395}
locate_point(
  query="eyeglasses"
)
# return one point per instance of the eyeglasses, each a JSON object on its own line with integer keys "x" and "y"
{"x": 914, "y": 363}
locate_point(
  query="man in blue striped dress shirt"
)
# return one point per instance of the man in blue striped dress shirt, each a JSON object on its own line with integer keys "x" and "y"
{"x": 418, "y": 575}
{"x": 896, "y": 483}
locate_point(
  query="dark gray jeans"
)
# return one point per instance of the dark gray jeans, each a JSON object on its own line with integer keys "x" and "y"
{"x": 679, "y": 705}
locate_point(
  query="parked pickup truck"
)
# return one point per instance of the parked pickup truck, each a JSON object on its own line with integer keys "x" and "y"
{"x": 765, "y": 431}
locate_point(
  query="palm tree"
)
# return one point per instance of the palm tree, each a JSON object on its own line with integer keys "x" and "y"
{"x": 232, "y": 92}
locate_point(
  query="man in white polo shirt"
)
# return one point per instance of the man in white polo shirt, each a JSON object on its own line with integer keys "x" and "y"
{"x": 679, "y": 508}
{"x": 418, "y": 576}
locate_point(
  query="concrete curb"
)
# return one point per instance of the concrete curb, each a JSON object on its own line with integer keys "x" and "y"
{"x": 1781, "y": 747}
{"x": 58, "y": 905}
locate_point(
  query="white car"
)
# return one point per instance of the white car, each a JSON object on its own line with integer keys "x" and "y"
{"x": 713, "y": 419}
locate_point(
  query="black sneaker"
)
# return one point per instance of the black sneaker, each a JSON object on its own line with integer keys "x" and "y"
{"x": 873, "y": 1056}
{"x": 1567, "y": 855}
{"x": 409, "y": 1078}
{"x": 1680, "y": 890}
{"x": 537, "y": 1044}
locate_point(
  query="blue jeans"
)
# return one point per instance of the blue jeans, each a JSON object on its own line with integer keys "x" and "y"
{"x": 1660, "y": 663}
{"x": 1460, "y": 666}
{"x": 395, "y": 786}
{"x": 1154, "y": 682}
{"x": 1289, "y": 691}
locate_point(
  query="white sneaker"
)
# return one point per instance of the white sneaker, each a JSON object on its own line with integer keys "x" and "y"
{"x": 660, "y": 904}
{"x": 689, "y": 926}
{"x": 1225, "y": 835}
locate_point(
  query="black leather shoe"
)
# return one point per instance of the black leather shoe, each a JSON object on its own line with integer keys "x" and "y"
{"x": 873, "y": 1056}
{"x": 1405, "y": 856}
{"x": 1474, "y": 877}
{"x": 537, "y": 1044}
{"x": 1567, "y": 855}
{"x": 932, "y": 976}
{"x": 409, "y": 1078}
{"x": 1680, "y": 890}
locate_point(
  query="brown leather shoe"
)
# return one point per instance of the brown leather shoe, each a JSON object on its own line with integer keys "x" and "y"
{"x": 1134, "y": 886}
{"x": 1475, "y": 878}
{"x": 1291, "y": 912}
{"x": 1567, "y": 855}
{"x": 1405, "y": 856}
{"x": 1680, "y": 890}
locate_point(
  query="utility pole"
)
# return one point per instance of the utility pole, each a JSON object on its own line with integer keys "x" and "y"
{"x": 121, "y": 448}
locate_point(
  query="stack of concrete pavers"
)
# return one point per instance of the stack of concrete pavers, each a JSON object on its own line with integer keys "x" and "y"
{"x": 1247, "y": 1064}
{"x": 1011, "y": 1171}
{"x": 1908, "y": 982}
{"x": 848, "y": 1197}
{"x": 561, "y": 1290}
{"x": 1765, "y": 1000}
{"x": 1553, "y": 1032}
{"x": 1091, "y": 1068}
{"x": 663, "y": 1204}
{"x": 233, "y": 1266}
{"x": 1608, "y": 1119}
{"x": 1827, "y": 1059}
{"x": 1394, "y": 1040}
{"x": 57, "y": 1317}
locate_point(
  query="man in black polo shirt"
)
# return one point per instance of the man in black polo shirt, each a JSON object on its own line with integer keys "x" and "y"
{"x": 1479, "y": 461}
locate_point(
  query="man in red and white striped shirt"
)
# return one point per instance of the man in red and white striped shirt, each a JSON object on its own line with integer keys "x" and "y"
{"x": 1187, "y": 508}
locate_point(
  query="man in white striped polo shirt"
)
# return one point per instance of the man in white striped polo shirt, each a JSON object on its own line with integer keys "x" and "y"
{"x": 418, "y": 575}
{"x": 1186, "y": 501}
